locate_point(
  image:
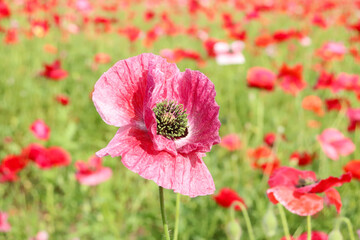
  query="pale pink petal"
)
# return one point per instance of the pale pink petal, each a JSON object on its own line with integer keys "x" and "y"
{"x": 197, "y": 94}
{"x": 332, "y": 196}
{"x": 329, "y": 151}
{"x": 119, "y": 93}
{"x": 4, "y": 225}
{"x": 344, "y": 147}
{"x": 40, "y": 129}
{"x": 184, "y": 173}
{"x": 334, "y": 143}
{"x": 94, "y": 178}
{"x": 300, "y": 204}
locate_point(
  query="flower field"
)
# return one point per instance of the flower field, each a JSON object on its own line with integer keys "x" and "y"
{"x": 235, "y": 119}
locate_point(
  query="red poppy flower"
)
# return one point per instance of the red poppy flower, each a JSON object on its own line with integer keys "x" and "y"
{"x": 33, "y": 151}
{"x": 167, "y": 121}
{"x": 54, "y": 72}
{"x": 315, "y": 235}
{"x": 296, "y": 190}
{"x": 226, "y": 197}
{"x": 336, "y": 104}
{"x": 92, "y": 173}
{"x": 40, "y": 130}
{"x": 11, "y": 36}
{"x": 132, "y": 33}
{"x": 4, "y": 10}
{"x": 149, "y": 15}
{"x": 318, "y": 20}
{"x": 52, "y": 157}
{"x": 353, "y": 167}
{"x": 4, "y": 225}
{"x": 302, "y": 158}
{"x": 262, "y": 78}
{"x": 10, "y": 166}
{"x": 264, "y": 41}
{"x": 62, "y": 99}
{"x": 325, "y": 80}
{"x": 291, "y": 79}
{"x": 209, "y": 46}
{"x": 231, "y": 142}
{"x": 39, "y": 28}
{"x": 263, "y": 158}
{"x": 269, "y": 139}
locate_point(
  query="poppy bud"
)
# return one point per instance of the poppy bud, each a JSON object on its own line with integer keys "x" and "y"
{"x": 335, "y": 235}
{"x": 233, "y": 230}
{"x": 269, "y": 222}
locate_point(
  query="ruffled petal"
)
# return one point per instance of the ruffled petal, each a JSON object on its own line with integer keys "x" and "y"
{"x": 184, "y": 173}
{"x": 300, "y": 204}
{"x": 119, "y": 93}
{"x": 197, "y": 93}
{"x": 329, "y": 182}
{"x": 333, "y": 197}
{"x": 94, "y": 178}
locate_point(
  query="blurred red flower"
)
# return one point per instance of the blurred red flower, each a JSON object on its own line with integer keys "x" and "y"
{"x": 102, "y": 58}
{"x": 353, "y": 167}
{"x": 52, "y": 157}
{"x": 291, "y": 79}
{"x": 40, "y": 130}
{"x": 262, "y": 78}
{"x": 354, "y": 118}
{"x": 313, "y": 103}
{"x": 263, "y": 158}
{"x": 302, "y": 158}
{"x": 10, "y": 166}
{"x": 315, "y": 235}
{"x": 53, "y": 71}
{"x": 92, "y": 173}
{"x": 62, "y": 99}
{"x": 11, "y": 36}
{"x": 227, "y": 197}
{"x": 296, "y": 190}
{"x": 331, "y": 51}
{"x": 4, "y": 10}
{"x": 336, "y": 104}
{"x": 231, "y": 142}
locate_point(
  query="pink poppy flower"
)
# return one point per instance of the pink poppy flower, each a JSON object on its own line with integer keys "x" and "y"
{"x": 335, "y": 144}
{"x": 331, "y": 51}
{"x": 262, "y": 78}
{"x": 296, "y": 190}
{"x": 42, "y": 235}
{"x": 92, "y": 173}
{"x": 345, "y": 81}
{"x": 227, "y": 54}
{"x": 167, "y": 121}
{"x": 354, "y": 118}
{"x": 231, "y": 142}
{"x": 40, "y": 130}
{"x": 4, "y": 225}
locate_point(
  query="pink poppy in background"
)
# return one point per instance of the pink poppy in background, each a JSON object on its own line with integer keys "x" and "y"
{"x": 231, "y": 142}
{"x": 331, "y": 51}
{"x": 53, "y": 71}
{"x": 10, "y": 166}
{"x": 336, "y": 104}
{"x": 227, "y": 54}
{"x": 167, "y": 121}
{"x": 318, "y": 20}
{"x": 345, "y": 81}
{"x": 62, "y": 99}
{"x": 102, "y": 58}
{"x": 354, "y": 118}
{"x": 40, "y": 130}
{"x": 92, "y": 173}
{"x": 296, "y": 190}
{"x": 83, "y": 6}
{"x": 4, "y": 225}
{"x": 335, "y": 144}
{"x": 52, "y": 157}
{"x": 291, "y": 80}
{"x": 262, "y": 78}
{"x": 302, "y": 158}
{"x": 42, "y": 235}
{"x": 227, "y": 197}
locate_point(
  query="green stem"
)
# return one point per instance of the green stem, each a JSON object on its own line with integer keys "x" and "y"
{"x": 163, "y": 215}
{"x": 349, "y": 226}
{"x": 177, "y": 214}
{"x": 284, "y": 222}
{"x": 308, "y": 227}
{"x": 247, "y": 219}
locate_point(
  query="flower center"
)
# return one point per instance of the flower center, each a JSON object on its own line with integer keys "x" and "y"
{"x": 171, "y": 119}
{"x": 305, "y": 182}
